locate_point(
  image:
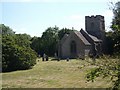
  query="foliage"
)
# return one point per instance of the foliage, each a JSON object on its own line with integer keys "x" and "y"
{"x": 93, "y": 74}
{"x": 16, "y": 52}
{"x": 48, "y": 43}
{"x": 106, "y": 67}
{"x": 36, "y": 45}
{"x": 110, "y": 66}
{"x": 116, "y": 36}
{"x": 23, "y": 40}
{"x": 62, "y": 32}
{"x": 6, "y": 30}
{"x": 109, "y": 43}
{"x": 116, "y": 27}
{"x": 49, "y": 40}
{"x": 116, "y": 20}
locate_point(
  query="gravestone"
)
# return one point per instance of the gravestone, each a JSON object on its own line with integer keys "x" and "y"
{"x": 47, "y": 58}
{"x": 44, "y": 56}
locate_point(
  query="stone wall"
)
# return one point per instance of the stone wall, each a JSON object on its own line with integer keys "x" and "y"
{"x": 95, "y": 25}
{"x": 80, "y": 47}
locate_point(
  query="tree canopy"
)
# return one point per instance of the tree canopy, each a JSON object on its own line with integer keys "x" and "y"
{"x": 16, "y": 51}
{"x": 48, "y": 42}
{"x": 116, "y": 27}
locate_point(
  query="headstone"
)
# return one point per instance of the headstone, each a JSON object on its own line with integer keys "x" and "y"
{"x": 39, "y": 56}
{"x": 47, "y": 58}
{"x": 44, "y": 56}
{"x": 67, "y": 59}
{"x": 58, "y": 59}
{"x": 55, "y": 55}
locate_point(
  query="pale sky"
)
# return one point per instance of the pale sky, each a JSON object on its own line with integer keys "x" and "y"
{"x": 35, "y": 16}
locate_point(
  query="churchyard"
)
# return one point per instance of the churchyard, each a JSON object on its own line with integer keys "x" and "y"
{"x": 56, "y": 74}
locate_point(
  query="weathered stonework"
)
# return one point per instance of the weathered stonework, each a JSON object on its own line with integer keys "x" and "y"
{"x": 79, "y": 44}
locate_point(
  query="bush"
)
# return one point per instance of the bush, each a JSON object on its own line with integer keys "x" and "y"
{"x": 15, "y": 57}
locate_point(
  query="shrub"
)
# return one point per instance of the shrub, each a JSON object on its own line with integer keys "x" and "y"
{"x": 15, "y": 57}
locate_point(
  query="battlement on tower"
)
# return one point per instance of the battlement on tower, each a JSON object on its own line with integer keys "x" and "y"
{"x": 95, "y": 25}
{"x": 96, "y": 16}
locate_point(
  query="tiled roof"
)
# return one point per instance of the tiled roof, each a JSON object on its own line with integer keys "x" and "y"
{"x": 95, "y": 39}
{"x": 82, "y": 37}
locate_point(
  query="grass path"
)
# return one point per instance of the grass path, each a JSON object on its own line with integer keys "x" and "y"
{"x": 54, "y": 74}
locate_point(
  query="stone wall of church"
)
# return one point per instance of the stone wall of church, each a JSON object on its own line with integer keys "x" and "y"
{"x": 66, "y": 49}
{"x": 95, "y": 25}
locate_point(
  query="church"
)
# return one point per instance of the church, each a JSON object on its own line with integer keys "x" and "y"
{"x": 88, "y": 42}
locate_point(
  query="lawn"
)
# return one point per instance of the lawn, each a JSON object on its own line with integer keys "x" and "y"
{"x": 55, "y": 74}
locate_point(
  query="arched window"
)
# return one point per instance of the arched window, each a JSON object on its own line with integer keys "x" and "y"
{"x": 73, "y": 47}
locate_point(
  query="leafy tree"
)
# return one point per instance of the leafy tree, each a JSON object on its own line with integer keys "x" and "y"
{"x": 110, "y": 67}
{"x": 116, "y": 37}
{"x": 62, "y": 32}
{"x": 6, "y": 30}
{"x": 116, "y": 20}
{"x": 36, "y": 45}
{"x": 109, "y": 43}
{"x": 50, "y": 40}
{"x": 116, "y": 27}
{"x": 16, "y": 52}
{"x": 23, "y": 40}
{"x": 48, "y": 43}
{"x": 14, "y": 56}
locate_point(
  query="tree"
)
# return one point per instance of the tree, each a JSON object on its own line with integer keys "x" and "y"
{"x": 36, "y": 45}
{"x": 16, "y": 57}
{"x": 6, "y": 30}
{"x": 23, "y": 40}
{"x": 109, "y": 43}
{"x": 116, "y": 26}
{"x": 116, "y": 20}
{"x": 49, "y": 40}
{"x": 116, "y": 37}
{"x": 16, "y": 52}
{"x": 62, "y": 32}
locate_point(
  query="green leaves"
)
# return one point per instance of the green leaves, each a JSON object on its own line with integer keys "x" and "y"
{"x": 48, "y": 43}
{"x": 116, "y": 27}
{"x": 16, "y": 52}
{"x": 106, "y": 67}
{"x": 6, "y": 30}
{"x": 93, "y": 74}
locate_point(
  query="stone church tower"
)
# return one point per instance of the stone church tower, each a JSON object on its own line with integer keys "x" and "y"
{"x": 89, "y": 42}
{"x": 95, "y": 25}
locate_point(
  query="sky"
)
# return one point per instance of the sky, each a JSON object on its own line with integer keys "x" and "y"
{"x": 35, "y": 16}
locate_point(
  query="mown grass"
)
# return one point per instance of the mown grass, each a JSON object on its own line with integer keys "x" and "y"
{"x": 55, "y": 74}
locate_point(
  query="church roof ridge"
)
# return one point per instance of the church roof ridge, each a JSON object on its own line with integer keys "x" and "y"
{"x": 91, "y": 36}
{"x": 82, "y": 37}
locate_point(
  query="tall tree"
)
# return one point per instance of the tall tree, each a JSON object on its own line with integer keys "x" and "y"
{"x": 63, "y": 31}
{"x": 116, "y": 26}
{"x": 36, "y": 45}
{"x": 116, "y": 36}
{"x": 16, "y": 51}
{"x": 6, "y": 29}
{"x": 50, "y": 40}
